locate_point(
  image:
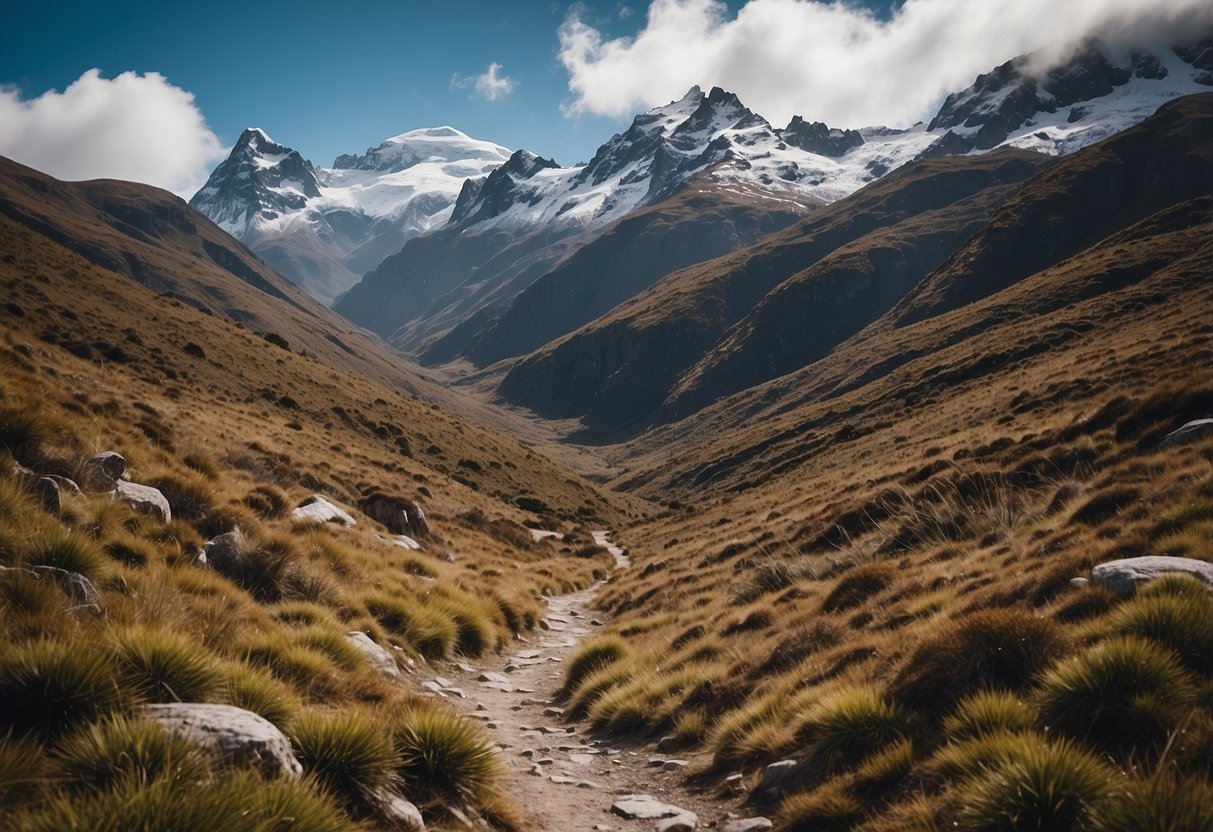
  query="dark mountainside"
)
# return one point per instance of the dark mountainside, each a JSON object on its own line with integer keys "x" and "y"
{"x": 617, "y": 371}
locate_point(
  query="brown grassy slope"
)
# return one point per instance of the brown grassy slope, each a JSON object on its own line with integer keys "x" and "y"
{"x": 616, "y": 371}
{"x": 153, "y": 237}
{"x": 1087, "y": 324}
{"x": 867, "y": 564}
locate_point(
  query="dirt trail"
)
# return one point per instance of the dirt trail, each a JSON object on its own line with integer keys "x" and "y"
{"x": 565, "y": 779}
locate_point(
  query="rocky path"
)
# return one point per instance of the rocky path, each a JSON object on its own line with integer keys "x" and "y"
{"x": 565, "y": 779}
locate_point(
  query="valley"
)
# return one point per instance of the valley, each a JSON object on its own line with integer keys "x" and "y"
{"x": 740, "y": 478}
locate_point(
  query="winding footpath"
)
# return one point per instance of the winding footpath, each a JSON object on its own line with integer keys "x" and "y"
{"x": 564, "y": 779}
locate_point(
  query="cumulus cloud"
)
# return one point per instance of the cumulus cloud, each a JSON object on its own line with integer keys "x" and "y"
{"x": 135, "y": 127}
{"x": 836, "y": 61}
{"x": 489, "y": 85}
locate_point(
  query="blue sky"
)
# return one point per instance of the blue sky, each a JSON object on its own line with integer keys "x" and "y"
{"x": 331, "y": 78}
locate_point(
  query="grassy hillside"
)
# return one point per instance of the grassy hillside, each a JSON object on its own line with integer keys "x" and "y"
{"x": 236, "y": 428}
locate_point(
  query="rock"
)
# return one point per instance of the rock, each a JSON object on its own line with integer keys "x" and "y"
{"x": 1193, "y": 431}
{"x": 101, "y": 472}
{"x": 445, "y": 556}
{"x": 404, "y": 542}
{"x": 1079, "y": 583}
{"x": 747, "y": 825}
{"x": 241, "y": 737}
{"x": 144, "y": 499}
{"x": 224, "y": 552}
{"x": 1123, "y": 576}
{"x": 74, "y": 585}
{"x": 44, "y": 488}
{"x": 776, "y": 776}
{"x": 492, "y": 676}
{"x": 318, "y": 509}
{"x": 644, "y": 807}
{"x": 379, "y": 658}
{"x": 667, "y": 743}
{"x": 398, "y": 812}
{"x": 686, "y": 822}
{"x": 400, "y": 516}
{"x": 674, "y": 765}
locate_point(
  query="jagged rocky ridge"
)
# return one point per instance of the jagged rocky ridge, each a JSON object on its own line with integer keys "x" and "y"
{"x": 452, "y": 293}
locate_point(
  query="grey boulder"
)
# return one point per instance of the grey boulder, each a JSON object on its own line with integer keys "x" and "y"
{"x": 101, "y": 472}
{"x": 318, "y": 509}
{"x": 240, "y": 737}
{"x": 379, "y": 658}
{"x": 1123, "y": 576}
{"x": 144, "y": 499}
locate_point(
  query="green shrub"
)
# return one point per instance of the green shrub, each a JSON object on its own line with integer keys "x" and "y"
{"x": 164, "y": 667}
{"x": 443, "y": 757}
{"x": 1045, "y": 787}
{"x": 105, "y": 753}
{"x": 988, "y": 712}
{"x": 592, "y": 657}
{"x": 51, "y": 687}
{"x": 1122, "y": 694}
{"x": 348, "y": 753}
{"x": 1182, "y": 622}
{"x": 1001, "y": 649}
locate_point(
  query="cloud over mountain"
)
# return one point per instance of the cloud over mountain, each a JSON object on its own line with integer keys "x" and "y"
{"x": 136, "y": 127}
{"x": 837, "y": 61}
{"x": 490, "y": 85}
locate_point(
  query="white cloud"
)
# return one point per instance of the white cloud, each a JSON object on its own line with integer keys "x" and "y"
{"x": 135, "y": 127}
{"x": 838, "y": 62}
{"x": 489, "y": 85}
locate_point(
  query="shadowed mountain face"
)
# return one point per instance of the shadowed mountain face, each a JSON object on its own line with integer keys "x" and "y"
{"x": 873, "y": 246}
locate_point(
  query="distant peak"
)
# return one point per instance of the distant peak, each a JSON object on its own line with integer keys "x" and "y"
{"x": 254, "y": 134}
{"x": 443, "y": 132}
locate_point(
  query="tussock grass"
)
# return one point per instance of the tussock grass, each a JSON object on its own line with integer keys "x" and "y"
{"x": 1161, "y": 803}
{"x": 1122, "y": 694}
{"x": 257, "y": 691}
{"x": 24, "y": 771}
{"x": 443, "y": 757}
{"x": 104, "y": 754}
{"x": 597, "y": 685}
{"x": 25, "y": 432}
{"x": 64, "y": 549}
{"x": 848, "y": 726}
{"x": 999, "y": 649}
{"x": 988, "y": 712}
{"x": 1049, "y": 787}
{"x": 431, "y": 631}
{"x": 49, "y": 687}
{"x": 593, "y": 656}
{"x": 348, "y": 753}
{"x": 164, "y": 667}
{"x": 827, "y": 809}
{"x": 1179, "y": 620}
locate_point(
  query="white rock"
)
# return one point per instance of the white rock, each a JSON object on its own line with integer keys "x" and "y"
{"x": 685, "y": 822}
{"x": 747, "y": 825}
{"x": 400, "y": 813}
{"x": 241, "y": 737}
{"x": 144, "y": 499}
{"x": 1123, "y": 576}
{"x": 379, "y": 658}
{"x": 644, "y": 807}
{"x": 318, "y": 509}
{"x": 1192, "y": 431}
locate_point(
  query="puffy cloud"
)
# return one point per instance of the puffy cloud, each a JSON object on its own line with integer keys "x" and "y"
{"x": 839, "y": 62}
{"x": 135, "y": 127}
{"x": 489, "y": 85}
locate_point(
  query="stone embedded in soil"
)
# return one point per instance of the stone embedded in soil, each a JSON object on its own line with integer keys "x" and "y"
{"x": 685, "y": 822}
{"x": 674, "y": 765}
{"x": 492, "y": 676}
{"x": 504, "y": 687}
{"x": 553, "y": 711}
{"x": 776, "y": 776}
{"x": 644, "y": 807}
{"x": 747, "y": 825}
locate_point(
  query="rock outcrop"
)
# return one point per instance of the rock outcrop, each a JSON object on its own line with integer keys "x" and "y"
{"x": 1125, "y": 575}
{"x": 318, "y": 509}
{"x": 398, "y": 515}
{"x": 144, "y": 499}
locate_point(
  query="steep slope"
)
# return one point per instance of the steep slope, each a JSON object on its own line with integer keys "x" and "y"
{"x": 324, "y": 227}
{"x": 615, "y": 372}
{"x": 705, "y": 220}
{"x": 1128, "y": 308}
{"x": 440, "y": 298}
{"x": 514, "y": 225}
{"x": 154, "y": 238}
